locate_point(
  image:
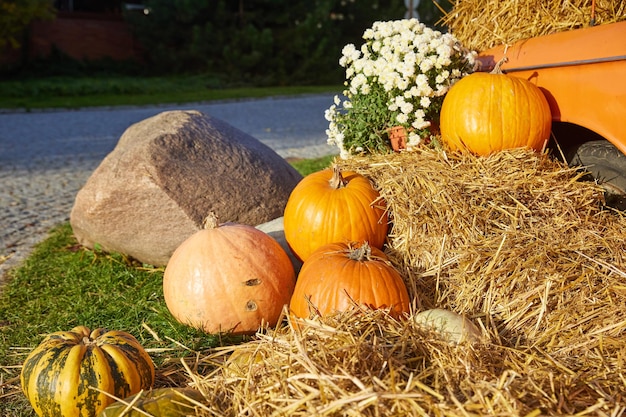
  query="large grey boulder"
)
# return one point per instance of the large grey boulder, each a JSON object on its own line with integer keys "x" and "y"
{"x": 166, "y": 174}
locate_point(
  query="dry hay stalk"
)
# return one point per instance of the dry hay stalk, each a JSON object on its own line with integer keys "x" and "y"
{"x": 365, "y": 363}
{"x": 360, "y": 363}
{"x": 513, "y": 241}
{"x": 482, "y": 24}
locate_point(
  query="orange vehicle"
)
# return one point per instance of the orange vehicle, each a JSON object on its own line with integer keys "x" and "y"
{"x": 582, "y": 73}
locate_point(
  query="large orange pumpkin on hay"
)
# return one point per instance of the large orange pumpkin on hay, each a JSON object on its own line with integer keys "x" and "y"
{"x": 333, "y": 206}
{"x": 228, "y": 278}
{"x": 489, "y": 112}
{"x": 340, "y": 276}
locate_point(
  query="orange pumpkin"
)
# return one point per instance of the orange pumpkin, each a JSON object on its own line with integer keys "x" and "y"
{"x": 489, "y": 112}
{"x": 333, "y": 206}
{"x": 228, "y": 278}
{"x": 339, "y": 276}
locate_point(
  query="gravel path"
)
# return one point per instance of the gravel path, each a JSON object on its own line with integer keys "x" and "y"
{"x": 47, "y": 156}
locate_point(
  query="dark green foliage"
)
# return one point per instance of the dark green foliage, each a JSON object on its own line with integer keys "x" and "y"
{"x": 258, "y": 42}
{"x": 16, "y": 15}
{"x": 239, "y": 42}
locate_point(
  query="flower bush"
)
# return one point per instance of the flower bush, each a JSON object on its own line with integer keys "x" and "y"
{"x": 398, "y": 77}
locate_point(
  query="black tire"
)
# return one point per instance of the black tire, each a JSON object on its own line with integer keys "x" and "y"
{"x": 607, "y": 165}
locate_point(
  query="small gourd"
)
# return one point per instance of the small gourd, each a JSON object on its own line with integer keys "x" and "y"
{"x": 71, "y": 372}
{"x": 159, "y": 402}
{"x": 451, "y": 326}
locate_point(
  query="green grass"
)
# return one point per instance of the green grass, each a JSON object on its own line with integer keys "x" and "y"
{"x": 65, "y": 92}
{"x": 62, "y": 285}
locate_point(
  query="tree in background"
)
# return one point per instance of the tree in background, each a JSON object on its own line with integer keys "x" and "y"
{"x": 257, "y": 41}
{"x": 16, "y": 15}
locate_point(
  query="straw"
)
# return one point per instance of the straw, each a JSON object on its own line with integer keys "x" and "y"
{"x": 482, "y": 24}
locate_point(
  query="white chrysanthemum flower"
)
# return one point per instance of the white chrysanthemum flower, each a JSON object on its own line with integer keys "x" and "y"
{"x": 358, "y": 81}
{"x": 369, "y": 69}
{"x": 442, "y": 77}
{"x": 421, "y": 83}
{"x": 411, "y": 92}
{"x": 414, "y": 140}
{"x": 349, "y": 54}
{"x": 329, "y": 114}
{"x": 401, "y": 83}
{"x": 442, "y": 61}
{"x": 426, "y": 64}
{"x": 406, "y": 107}
{"x": 418, "y": 120}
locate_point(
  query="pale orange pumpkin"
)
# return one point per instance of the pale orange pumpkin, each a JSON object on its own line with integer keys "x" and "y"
{"x": 489, "y": 112}
{"x": 228, "y": 278}
{"x": 334, "y": 206}
{"x": 340, "y": 276}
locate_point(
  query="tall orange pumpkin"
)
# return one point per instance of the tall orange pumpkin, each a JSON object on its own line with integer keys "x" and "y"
{"x": 333, "y": 206}
{"x": 228, "y": 278}
{"x": 489, "y": 112}
{"x": 339, "y": 275}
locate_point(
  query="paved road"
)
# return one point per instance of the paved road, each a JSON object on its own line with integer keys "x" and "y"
{"x": 46, "y": 156}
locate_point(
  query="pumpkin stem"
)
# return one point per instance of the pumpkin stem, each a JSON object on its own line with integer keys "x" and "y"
{"x": 337, "y": 181}
{"x": 210, "y": 222}
{"x": 498, "y": 68}
{"x": 362, "y": 253}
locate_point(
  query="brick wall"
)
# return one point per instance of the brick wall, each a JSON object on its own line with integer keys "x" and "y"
{"x": 84, "y": 36}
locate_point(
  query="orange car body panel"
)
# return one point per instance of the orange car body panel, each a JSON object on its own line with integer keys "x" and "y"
{"x": 582, "y": 72}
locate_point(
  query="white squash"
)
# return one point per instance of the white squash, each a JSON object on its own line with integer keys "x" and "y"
{"x": 451, "y": 326}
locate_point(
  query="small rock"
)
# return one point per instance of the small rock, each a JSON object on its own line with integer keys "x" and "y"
{"x": 276, "y": 229}
{"x": 166, "y": 174}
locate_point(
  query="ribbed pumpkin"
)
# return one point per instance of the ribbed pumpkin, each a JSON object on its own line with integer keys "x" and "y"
{"x": 489, "y": 112}
{"x": 60, "y": 376}
{"x": 333, "y": 206}
{"x": 161, "y": 402}
{"x": 338, "y": 275}
{"x": 228, "y": 278}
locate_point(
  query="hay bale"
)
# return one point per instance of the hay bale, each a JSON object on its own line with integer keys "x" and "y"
{"x": 515, "y": 242}
{"x": 482, "y": 24}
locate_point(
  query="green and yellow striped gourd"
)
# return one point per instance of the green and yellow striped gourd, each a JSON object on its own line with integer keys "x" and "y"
{"x": 71, "y": 372}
